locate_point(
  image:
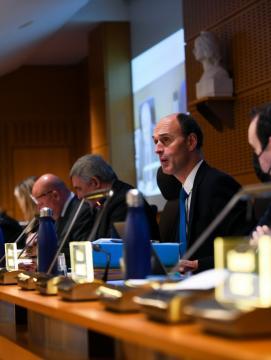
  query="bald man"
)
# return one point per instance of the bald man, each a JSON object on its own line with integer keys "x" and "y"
{"x": 50, "y": 191}
{"x": 178, "y": 140}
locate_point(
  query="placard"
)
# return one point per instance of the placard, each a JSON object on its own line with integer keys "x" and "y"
{"x": 11, "y": 256}
{"x": 249, "y": 280}
{"x": 81, "y": 261}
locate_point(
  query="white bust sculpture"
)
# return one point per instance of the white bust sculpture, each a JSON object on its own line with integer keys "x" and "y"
{"x": 215, "y": 80}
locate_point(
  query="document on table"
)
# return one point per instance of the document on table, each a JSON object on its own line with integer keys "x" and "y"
{"x": 205, "y": 280}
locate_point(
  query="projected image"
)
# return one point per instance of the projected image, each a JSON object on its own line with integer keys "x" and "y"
{"x": 144, "y": 147}
{"x": 159, "y": 89}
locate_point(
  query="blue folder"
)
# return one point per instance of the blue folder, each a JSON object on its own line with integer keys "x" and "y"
{"x": 167, "y": 252}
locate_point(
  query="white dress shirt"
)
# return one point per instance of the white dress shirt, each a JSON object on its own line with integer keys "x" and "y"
{"x": 188, "y": 187}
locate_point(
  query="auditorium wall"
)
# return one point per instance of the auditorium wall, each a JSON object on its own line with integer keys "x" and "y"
{"x": 47, "y": 112}
{"x": 243, "y": 27}
{"x": 110, "y": 95}
{"x": 44, "y": 122}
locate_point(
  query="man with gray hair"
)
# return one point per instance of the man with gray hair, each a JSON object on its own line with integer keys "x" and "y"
{"x": 91, "y": 172}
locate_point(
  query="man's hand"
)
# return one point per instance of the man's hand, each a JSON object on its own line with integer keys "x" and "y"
{"x": 28, "y": 266}
{"x": 188, "y": 265}
{"x": 260, "y": 231}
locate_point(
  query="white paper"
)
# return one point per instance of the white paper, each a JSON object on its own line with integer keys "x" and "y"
{"x": 205, "y": 280}
{"x": 107, "y": 241}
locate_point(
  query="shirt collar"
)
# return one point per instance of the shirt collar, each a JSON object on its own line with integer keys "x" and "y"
{"x": 71, "y": 196}
{"x": 189, "y": 181}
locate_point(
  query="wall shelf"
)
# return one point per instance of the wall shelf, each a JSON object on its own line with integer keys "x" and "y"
{"x": 218, "y": 110}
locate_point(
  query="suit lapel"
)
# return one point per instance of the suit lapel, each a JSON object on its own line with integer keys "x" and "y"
{"x": 63, "y": 222}
{"x": 199, "y": 176}
{"x": 59, "y": 226}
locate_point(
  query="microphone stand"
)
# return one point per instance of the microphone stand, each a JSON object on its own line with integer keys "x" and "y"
{"x": 9, "y": 277}
{"x": 47, "y": 283}
{"x": 31, "y": 281}
{"x": 63, "y": 242}
{"x": 26, "y": 230}
{"x": 94, "y": 195}
{"x": 69, "y": 288}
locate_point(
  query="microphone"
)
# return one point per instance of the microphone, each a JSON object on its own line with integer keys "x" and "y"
{"x": 108, "y": 193}
{"x": 98, "y": 248}
{"x": 65, "y": 237}
{"x": 90, "y": 196}
{"x": 245, "y": 193}
{"x": 71, "y": 289}
{"x": 99, "y": 194}
{"x": 29, "y": 227}
{"x": 42, "y": 281}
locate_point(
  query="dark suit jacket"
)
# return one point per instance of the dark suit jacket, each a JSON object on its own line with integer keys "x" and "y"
{"x": 11, "y": 228}
{"x": 116, "y": 211}
{"x": 211, "y": 191}
{"x": 81, "y": 228}
{"x": 265, "y": 219}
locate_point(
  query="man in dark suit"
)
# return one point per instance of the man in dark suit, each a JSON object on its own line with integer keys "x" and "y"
{"x": 178, "y": 140}
{"x": 90, "y": 173}
{"x": 259, "y": 137}
{"x": 10, "y": 227}
{"x": 50, "y": 191}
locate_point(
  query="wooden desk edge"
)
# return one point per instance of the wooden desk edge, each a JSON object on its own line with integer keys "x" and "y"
{"x": 186, "y": 340}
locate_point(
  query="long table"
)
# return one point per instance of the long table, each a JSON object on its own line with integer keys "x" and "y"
{"x": 181, "y": 341}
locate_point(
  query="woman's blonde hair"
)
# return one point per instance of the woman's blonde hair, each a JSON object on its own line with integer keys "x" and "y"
{"x": 22, "y": 193}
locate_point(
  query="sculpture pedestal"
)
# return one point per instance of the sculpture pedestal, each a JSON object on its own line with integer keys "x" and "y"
{"x": 214, "y": 87}
{"x": 217, "y": 110}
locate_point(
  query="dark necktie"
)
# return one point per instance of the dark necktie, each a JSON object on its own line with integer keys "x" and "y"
{"x": 183, "y": 240}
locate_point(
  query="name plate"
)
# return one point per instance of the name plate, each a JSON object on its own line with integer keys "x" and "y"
{"x": 249, "y": 280}
{"x": 11, "y": 256}
{"x": 81, "y": 261}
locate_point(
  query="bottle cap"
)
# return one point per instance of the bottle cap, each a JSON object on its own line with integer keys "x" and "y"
{"x": 134, "y": 198}
{"x": 46, "y": 212}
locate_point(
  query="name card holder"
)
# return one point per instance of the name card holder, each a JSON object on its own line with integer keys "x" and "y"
{"x": 81, "y": 285}
{"x": 8, "y": 275}
{"x": 242, "y": 304}
{"x": 249, "y": 280}
{"x": 11, "y": 256}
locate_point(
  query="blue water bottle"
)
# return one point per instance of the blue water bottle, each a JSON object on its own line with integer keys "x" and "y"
{"x": 137, "y": 245}
{"x": 47, "y": 240}
{"x": 2, "y": 248}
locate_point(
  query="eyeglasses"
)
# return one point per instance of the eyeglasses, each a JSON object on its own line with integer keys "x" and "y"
{"x": 36, "y": 198}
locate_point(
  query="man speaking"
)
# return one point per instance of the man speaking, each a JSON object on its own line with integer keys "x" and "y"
{"x": 204, "y": 193}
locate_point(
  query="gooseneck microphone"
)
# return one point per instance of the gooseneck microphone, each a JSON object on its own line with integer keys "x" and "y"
{"x": 99, "y": 194}
{"x": 29, "y": 227}
{"x": 95, "y": 195}
{"x": 105, "y": 193}
{"x": 98, "y": 248}
{"x": 65, "y": 237}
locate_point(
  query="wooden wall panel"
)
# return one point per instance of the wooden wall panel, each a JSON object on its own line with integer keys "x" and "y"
{"x": 40, "y": 161}
{"x": 110, "y": 96}
{"x": 244, "y": 29}
{"x": 206, "y": 13}
{"x": 119, "y": 100}
{"x": 97, "y": 93}
{"x": 44, "y": 124}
